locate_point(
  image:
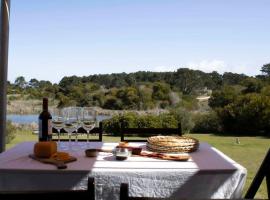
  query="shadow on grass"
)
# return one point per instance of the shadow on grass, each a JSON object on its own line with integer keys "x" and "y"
{"x": 228, "y": 134}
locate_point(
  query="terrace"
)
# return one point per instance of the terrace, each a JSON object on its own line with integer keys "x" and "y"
{"x": 203, "y": 174}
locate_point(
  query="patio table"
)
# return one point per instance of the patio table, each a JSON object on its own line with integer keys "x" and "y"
{"x": 208, "y": 174}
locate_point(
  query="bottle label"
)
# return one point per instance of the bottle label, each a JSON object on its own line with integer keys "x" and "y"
{"x": 49, "y": 127}
{"x": 40, "y": 128}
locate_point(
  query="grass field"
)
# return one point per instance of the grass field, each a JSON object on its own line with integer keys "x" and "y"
{"x": 249, "y": 153}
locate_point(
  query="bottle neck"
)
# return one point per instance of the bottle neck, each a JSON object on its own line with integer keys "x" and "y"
{"x": 45, "y": 104}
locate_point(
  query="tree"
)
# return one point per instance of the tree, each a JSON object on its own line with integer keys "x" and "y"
{"x": 232, "y": 78}
{"x": 213, "y": 80}
{"x": 34, "y": 83}
{"x": 252, "y": 85}
{"x": 266, "y": 69}
{"x": 248, "y": 114}
{"x": 223, "y": 97}
{"x": 188, "y": 80}
{"x": 20, "y": 82}
{"x": 113, "y": 103}
{"x": 161, "y": 91}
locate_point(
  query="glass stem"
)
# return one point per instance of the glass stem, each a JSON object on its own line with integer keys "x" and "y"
{"x": 88, "y": 132}
{"x": 58, "y": 131}
{"x": 69, "y": 138}
{"x": 58, "y": 135}
{"x": 76, "y": 137}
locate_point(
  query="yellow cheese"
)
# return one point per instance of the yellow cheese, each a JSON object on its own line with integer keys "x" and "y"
{"x": 45, "y": 149}
{"x": 61, "y": 156}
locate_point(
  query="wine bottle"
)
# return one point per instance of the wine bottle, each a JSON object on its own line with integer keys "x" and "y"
{"x": 45, "y": 123}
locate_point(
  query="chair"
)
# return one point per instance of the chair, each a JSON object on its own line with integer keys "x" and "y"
{"x": 88, "y": 194}
{"x": 124, "y": 194}
{"x": 98, "y": 130}
{"x": 148, "y": 132}
{"x": 263, "y": 172}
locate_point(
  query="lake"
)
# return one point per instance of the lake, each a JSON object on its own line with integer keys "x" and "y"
{"x": 28, "y": 119}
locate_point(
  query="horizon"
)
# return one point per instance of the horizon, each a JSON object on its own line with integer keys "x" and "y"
{"x": 53, "y": 39}
{"x": 129, "y": 73}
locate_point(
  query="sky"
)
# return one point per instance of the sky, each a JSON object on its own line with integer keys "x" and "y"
{"x": 56, "y": 38}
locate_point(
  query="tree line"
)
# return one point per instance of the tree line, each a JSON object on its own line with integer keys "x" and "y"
{"x": 236, "y": 99}
{"x": 141, "y": 90}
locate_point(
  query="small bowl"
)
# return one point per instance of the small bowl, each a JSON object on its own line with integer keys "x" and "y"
{"x": 122, "y": 153}
{"x": 91, "y": 152}
{"x": 136, "y": 150}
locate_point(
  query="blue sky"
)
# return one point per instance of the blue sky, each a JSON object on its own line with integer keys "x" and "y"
{"x": 55, "y": 38}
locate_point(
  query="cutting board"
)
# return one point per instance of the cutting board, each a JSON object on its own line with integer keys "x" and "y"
{"x": 57, "y": 163}
{"x": 165, "y": 157}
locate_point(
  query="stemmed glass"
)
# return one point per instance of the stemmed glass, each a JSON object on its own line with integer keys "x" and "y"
{"x": 71, "y": 122}
{"x": 88, "y": 121}
{"x": 57, "y": 122}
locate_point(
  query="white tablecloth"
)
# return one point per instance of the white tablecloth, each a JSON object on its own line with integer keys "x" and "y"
{"x": 208, "y": 174}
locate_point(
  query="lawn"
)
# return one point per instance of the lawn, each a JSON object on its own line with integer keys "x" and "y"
{"x": 249, "y": 153}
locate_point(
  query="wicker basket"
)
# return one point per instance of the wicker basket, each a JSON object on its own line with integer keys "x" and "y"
{"x": 172, "y": 144}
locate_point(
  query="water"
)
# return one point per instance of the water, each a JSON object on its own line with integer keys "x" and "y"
{"x": 28, "y": 119}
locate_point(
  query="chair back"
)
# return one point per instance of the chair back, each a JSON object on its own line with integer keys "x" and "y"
{"x": 88, "y": 194}
{"x": 124, "y": 194}
{"x": 263, "y": 172}
{"x": 146, "y": 132}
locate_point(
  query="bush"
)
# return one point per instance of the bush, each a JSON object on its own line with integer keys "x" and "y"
{"x": 183, "y": 116}
{"x": 248, "y": 114}
{"x": 133, "y": 120}
{"x": 10, "y": 132}
{"x": 207, "y": 123}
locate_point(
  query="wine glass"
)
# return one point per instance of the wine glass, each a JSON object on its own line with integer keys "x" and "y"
{"x": 71, "y": 122}
{"x": 88, "y": 121}
{"x": 57, "y": 122}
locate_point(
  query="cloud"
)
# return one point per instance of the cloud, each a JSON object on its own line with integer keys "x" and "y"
{"x": 209, "y": 66}
{"x": 164, "y": 69}
{"x": 221, "y": 67}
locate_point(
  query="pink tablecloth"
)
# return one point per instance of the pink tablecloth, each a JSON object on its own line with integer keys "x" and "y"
{"x": 208, "y": 174}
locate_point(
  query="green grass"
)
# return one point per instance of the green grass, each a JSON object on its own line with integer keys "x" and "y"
{"x": 249, "y": 153}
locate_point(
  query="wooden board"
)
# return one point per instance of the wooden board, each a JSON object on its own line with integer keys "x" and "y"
{"x": 57, "y": 163}
{"x": 165, "y": 157}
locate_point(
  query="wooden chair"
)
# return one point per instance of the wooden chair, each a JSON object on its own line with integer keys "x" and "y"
{"x": 98, "y": 130}
{"x": 148, "y": 132}
{"x": 263, "y": 172}
{"x": 88, "y": 194}
{"x": 124, "y": 194}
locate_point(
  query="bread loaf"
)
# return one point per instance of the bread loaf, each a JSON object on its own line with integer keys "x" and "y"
{"x": 45, "y": 149}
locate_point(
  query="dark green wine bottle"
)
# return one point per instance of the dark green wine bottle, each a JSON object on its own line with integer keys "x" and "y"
{"x": 45, "y": 123}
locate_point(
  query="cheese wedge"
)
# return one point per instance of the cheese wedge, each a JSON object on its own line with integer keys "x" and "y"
{"x": 45, "y": 149}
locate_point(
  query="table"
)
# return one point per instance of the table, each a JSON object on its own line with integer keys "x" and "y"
{"x": 208, "y": 174}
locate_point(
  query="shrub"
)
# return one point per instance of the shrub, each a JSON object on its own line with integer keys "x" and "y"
{"x": 207, "y": 123}
{"x": 248, "y": 114}
{"x": 133, "y": 120}
{"x": 10, "y": 131}
{"x": 183, "y": 116}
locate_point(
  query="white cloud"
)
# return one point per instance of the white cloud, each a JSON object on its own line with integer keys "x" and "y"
{"x": 164, "y": 69}
{"x": 209, "y": 66}
{"x": 221, "y": 67}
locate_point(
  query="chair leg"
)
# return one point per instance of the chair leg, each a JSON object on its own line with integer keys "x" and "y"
{"x": 100, "y": 131}
{"x": 124, "y": 191}
{"x": 91, "y": 188}
{"x": 262, "y": 172}
{"x": 268, "y": 184}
